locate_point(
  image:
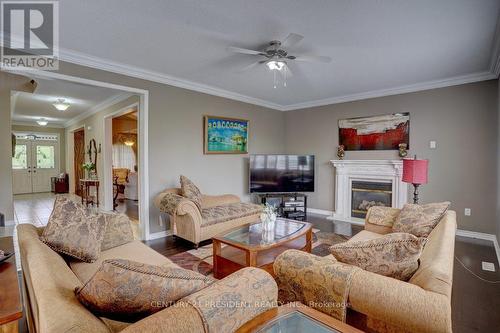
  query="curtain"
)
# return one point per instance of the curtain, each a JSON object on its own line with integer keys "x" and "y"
{"x": 123, "y": 156}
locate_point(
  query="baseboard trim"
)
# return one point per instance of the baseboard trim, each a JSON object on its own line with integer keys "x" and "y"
{"x": 160, "y": 234}
{"x": 10, "y": 223}
{"x": 319, "y": 211}
{"x": 483, "y": 236}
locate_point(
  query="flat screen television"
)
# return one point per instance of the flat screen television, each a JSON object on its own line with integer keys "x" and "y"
{"x": 281, "y": 173}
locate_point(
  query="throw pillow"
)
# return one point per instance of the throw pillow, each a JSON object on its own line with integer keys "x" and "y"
{"x": 169, "y": 202}
{"x": 128, "y": 291}
{"x": 73, "y": 231}
{"x": 420, "y": 220}
{"x": 118, "y": 231}
{"x": 383, "y": 216}
{"x": 395, "y": 255}
{"x": 190, "y": 191}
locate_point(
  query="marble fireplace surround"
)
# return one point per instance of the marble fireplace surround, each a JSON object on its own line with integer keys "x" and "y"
{"x": 347, "y": 171}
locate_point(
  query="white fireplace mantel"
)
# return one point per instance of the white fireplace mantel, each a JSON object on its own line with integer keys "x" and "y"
{"x": 347, "y": 171}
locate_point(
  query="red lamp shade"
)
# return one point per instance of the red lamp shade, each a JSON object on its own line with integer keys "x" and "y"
{"x": 415, "y": 171}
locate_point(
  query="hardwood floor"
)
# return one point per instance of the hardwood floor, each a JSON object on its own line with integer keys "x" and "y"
{"x": 475, "y": 303}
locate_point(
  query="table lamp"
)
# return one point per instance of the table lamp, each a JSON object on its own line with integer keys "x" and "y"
{"x": 415, "y": 172}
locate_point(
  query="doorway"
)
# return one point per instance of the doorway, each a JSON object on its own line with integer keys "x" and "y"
{"x": 78, "y": 158}
{"x": 142, "y": 143}
{"x": 35, "y": 162}
{"x": 121, "y": 161}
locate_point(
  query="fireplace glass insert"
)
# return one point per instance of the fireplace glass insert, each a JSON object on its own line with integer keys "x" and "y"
{"x": 368, "y": 194}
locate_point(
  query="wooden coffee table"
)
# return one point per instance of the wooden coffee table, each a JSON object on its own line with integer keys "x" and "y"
{"x": 295, "y": 318}
{"x": 248, "y": 246}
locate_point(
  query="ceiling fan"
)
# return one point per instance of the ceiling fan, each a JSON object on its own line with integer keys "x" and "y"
{"x": 276, "y": 55}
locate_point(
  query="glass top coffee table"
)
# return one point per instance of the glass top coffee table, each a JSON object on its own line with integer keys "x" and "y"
{"x": 250, "y": 246}
{"x": 295, "y": 318}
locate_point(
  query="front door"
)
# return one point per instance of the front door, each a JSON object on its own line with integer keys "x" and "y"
{"x": 44, "y": 163}
{"x": 34, "y": 163}
{"x": 21, "y": 167}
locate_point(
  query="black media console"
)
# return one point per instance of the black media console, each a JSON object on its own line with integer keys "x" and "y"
{"x": 289, "y": 205}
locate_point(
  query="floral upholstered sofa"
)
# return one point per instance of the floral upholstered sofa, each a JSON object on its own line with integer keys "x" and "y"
{"x": 50, "y": 280}
{"x": 218, "y": 213}
{"x": 379, "y": 303}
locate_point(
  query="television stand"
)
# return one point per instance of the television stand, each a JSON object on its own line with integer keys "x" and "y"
{"x": 289, "y": 205}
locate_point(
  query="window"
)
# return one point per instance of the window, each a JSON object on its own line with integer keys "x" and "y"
{"x": 45, "y": 157}
{"x": 123, "y": 156}
{"x": 20, "y": 159}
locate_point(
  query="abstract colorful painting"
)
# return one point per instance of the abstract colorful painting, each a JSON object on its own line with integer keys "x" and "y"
{"x": 226, "y": 135}
{"x": 384, "y": 132}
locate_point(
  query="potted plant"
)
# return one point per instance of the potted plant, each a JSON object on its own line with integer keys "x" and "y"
{"x": 88, "y": 167}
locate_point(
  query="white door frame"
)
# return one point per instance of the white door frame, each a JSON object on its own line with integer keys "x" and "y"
{"x": 142, "y": 138}
{"x": 107, "y": 154}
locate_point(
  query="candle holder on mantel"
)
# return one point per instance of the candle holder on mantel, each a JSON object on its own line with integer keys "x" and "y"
{"x": 415, "y": 172}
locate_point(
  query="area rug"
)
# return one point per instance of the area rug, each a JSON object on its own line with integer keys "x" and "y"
{"x": 200, "y": 260}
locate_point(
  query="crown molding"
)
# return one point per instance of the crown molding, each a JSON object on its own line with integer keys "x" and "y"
{"x": 97, "y": 108}
{"x": 476, "y": 77}
{"x": 144, "y": 74}
{"x": 34, "y": 124}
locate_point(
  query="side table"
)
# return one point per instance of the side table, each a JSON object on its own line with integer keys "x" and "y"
{"x": 85, "y": 186}
{"x": 11, "y": 308}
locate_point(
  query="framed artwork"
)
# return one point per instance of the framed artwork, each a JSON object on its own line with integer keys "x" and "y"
{"x": 383, "y": 132}
{"x": 225, "y": 135}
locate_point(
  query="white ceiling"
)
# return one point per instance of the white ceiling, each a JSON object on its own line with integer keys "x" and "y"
{"x": 379, "y": 47}
{"x": 83, "y": 100}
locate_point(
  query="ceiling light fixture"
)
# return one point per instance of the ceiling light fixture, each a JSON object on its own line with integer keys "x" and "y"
{"x": 275, "y": 65}
{"x": 61, "y": 105}
{"x": 129, "y": 143}
{"x": 42, "y": 122}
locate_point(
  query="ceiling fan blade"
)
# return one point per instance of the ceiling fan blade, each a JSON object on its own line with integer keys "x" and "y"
{"x": 244, "y": 51}
{"x": 313, "y": 58}
{"x": 252, "y": 65}
{"x": 291, "y": 40}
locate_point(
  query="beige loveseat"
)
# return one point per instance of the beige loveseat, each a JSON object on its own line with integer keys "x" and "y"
{"x": 52, "y": 307}
{"x": 383, "y": 304}
{"x": 218, "y": 213}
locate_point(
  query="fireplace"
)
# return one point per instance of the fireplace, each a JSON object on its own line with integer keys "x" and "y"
{"x": 366, "y": 194}
{"x": 362, "y": 175}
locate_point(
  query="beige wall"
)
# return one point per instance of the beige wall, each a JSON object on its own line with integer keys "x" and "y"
{"x": 52, "y": 130}
{"x": 463, "y": 121}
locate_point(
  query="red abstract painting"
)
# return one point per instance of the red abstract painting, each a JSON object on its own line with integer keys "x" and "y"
{"x": 384, "y": 132}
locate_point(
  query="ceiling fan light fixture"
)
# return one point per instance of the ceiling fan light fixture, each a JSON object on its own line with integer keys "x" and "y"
{"x": 42, "y": 122}
{"x": 275, "y": 65}
{"x": 61, "y": 105}
{"x": 129, "y": 143}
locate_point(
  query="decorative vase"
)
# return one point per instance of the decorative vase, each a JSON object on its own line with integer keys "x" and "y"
{"x": 268, "y": 221}
{"x": 340, "y": 152}
{"x": 403, "y": 152}
{"x": 267, "y": 236}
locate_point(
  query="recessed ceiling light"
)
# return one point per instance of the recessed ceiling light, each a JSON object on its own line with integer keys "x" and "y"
{"x": 61, "y": 105}
{"x": 42, "y": 122}
{"x": 275, "y": 64}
